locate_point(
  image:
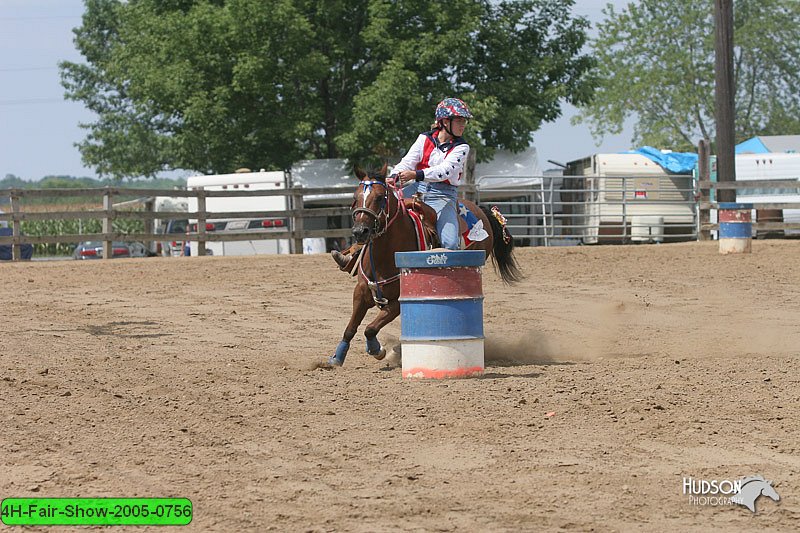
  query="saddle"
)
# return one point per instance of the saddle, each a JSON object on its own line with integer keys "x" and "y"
{"x": 428, "y": 216}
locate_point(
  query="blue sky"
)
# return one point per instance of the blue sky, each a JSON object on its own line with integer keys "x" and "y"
{"x": 38, "y": 128}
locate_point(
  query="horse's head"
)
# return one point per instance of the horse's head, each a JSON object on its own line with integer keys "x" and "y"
{"x": 769, "y": 491}
{"x": 370, "y": 205}
{"x": 752, "y": 488}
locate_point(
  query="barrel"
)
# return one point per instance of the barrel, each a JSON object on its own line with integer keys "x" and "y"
{"x": 441, "y": 313}
{"x": 774, "y": 216}
{"x": 735, "y": 228}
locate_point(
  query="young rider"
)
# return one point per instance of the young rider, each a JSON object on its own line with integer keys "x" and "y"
{"x": 433, "y": 166}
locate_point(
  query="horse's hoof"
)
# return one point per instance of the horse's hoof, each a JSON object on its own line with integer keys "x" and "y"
{"x": 380, "y": 355}
{"x": 333, "y": 362}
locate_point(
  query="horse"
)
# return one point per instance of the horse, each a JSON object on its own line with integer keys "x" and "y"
{"x": 381, "y": 224}
{"x": 752, "y": 488}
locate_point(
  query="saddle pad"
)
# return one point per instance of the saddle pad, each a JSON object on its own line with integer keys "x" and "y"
{"x": 421, "y": 244}
{"x": 474, "y": 226}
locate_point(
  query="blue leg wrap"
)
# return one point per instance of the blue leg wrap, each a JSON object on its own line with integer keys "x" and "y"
{"x": 373, "y": 346}
{"x": 337, "y": 359}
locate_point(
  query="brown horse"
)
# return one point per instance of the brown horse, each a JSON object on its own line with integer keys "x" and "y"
{"x": 381, "y": 223}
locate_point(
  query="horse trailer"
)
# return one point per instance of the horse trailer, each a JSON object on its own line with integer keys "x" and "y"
{"x": 243, "y": 181}
{"x": 619, "y": 198}
{"x": 773, "y": 167}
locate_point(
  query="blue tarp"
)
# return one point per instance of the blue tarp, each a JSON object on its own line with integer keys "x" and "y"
{"x": 751, "y": 146}
{"x": 675, "y": 162}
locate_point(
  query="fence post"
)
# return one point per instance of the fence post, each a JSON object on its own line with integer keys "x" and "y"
{"x": 16, "y": 249}
{"x": 297, "y": 219}
{"x": 108, "y": 249}
{"x": 201, "y": 222}
{"x": 703, "y": 194}
{"x": 470, "y": 191}
{"x": 624, "y": 211}
{"x": 149, "y": 223}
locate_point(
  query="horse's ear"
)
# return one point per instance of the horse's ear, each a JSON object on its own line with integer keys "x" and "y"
{"x": 384, "y": 169}
{"x": 359, "y": 172}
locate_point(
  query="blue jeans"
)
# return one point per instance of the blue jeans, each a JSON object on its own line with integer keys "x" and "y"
{"x": 443, "y": 198}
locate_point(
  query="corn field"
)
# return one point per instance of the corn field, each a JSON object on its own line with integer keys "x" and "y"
{"x": 39, "y": 228}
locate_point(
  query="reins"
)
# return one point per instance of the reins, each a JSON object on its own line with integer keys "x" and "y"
{"x": 375, "y": 286}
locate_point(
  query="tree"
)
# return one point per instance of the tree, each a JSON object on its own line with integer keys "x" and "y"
{"x": 212, "y": 85}
{"x": 655, "y": 62}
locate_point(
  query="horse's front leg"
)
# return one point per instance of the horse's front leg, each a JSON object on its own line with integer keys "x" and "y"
{"x": 362, "y": 301}
{"x": 386, "y": 315}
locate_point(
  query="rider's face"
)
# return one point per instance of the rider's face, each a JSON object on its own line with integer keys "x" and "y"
{"x": 458, "y": 125}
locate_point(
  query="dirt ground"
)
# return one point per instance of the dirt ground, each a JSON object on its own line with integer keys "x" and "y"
{"x": 195, "y": 377}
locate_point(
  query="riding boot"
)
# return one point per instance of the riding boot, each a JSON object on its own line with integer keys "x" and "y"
{"x": 347, "y": 260}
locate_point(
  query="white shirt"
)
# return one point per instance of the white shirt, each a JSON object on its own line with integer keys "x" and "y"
{"x": 442, "y": 166}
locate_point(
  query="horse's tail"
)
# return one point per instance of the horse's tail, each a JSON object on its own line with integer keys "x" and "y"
{"x": 503, "y": 250}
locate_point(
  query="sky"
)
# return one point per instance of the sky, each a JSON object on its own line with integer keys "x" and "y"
{"x": 39, "y": 128}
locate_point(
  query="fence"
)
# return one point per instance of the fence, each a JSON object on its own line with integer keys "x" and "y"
{"x": 541, "y": 210}
{"x": 770, "y": 216}
{"x": 558, "y": 210}
{"x": 110, "y": 213}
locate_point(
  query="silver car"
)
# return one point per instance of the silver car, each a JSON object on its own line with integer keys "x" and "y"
{"x": 94, "y": 250}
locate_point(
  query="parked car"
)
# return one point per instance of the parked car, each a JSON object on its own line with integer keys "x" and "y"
{"x": 94, "y": 250}
{"x": 140, "y": 250}
{"x": 175, "y": 231}
{"x": 26, "y": 250}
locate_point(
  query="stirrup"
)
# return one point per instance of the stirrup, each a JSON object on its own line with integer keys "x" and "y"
{"x": 349, "y": 262}
{"x": 341, "y": 259}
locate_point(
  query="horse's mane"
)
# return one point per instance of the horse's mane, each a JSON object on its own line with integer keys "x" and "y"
{"x": 375, "y": 174}
{"x": 750, "y": 479}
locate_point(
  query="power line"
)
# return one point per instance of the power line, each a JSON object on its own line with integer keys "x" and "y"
{"x": 41, "y": 17}
{"x": 29, "y": 101}
{"x": 26, "y": 69}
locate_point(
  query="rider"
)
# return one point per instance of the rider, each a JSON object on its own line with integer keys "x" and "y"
{"x": 433, "y": 167}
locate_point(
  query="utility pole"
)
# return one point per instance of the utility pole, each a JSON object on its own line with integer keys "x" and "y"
{"x": 725, "y": 107}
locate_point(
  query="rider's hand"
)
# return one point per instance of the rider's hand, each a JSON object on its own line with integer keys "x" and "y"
{"x": 406, "y": 176}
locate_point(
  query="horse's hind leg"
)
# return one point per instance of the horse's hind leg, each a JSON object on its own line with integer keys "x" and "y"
{"x": 360, "y": 307}
{"x": 386, "y": 315}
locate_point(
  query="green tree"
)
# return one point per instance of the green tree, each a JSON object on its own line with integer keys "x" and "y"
{"x": 12, "y": 182}
{"x": 655, "y": 62}
{"x": 212, "y": 85}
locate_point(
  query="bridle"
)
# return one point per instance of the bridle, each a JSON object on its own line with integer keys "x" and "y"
{"x": 380, "y": 220}
{"x": 378, "y": 229}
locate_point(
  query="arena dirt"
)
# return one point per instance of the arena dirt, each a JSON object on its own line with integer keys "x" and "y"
{"x": 195, "y": 377}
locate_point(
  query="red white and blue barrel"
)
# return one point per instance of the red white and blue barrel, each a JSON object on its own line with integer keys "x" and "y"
{"x": 441, "y": 313}
{"x": 735, "y": 228}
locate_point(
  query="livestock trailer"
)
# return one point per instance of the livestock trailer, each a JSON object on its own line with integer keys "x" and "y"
{"x": 618, "y": 198}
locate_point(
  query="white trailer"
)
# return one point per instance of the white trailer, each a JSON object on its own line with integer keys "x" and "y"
{"x": 243, "y": 181}
{"x": 772, "y": 166}
{"x": 172, "y": 229}
{"x": 627, "y": 197}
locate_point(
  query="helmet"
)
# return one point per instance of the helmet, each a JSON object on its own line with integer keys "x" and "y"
{"x": 452, "y": 107}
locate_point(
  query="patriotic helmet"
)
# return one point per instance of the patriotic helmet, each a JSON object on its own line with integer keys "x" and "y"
{"x": 452, "y": 107}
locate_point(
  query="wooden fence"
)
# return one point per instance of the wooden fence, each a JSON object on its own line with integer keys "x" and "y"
{"x": 297, "y": 214}
{"x": 705, "y": 205}
{"x": 109, "y": 213}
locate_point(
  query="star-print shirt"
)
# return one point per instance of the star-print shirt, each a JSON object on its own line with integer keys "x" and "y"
{"x": 434, "y": 161}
